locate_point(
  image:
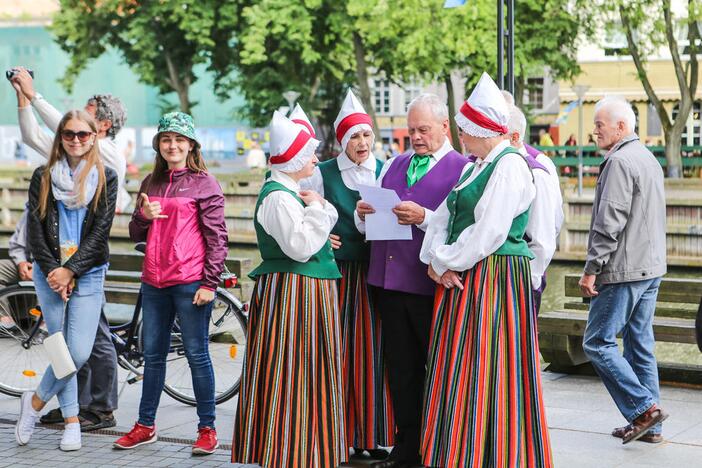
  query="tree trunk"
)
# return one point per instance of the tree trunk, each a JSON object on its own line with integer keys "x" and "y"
{"x": 180, "y": 86}
{"x": 183, "y": 92}
{"x": 451, "y": 97}
{"x": 519, "y": 86}
{"x": 673, "y": 151}
{"x": 362, "y": 77}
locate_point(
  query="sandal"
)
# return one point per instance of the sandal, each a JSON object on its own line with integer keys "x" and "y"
{"x": 52, "y": 417}
{"x": 92, "y": 420}
{"x": 649, "y": 437}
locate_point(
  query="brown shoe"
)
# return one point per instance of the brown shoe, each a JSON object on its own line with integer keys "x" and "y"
{"x": 648, "y": 437}
{"x": 641, "y": 425}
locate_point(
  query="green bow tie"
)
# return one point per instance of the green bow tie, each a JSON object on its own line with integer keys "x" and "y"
{"x": 419, "y": 165}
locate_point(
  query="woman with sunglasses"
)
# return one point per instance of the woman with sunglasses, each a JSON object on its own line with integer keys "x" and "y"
{"x": 180, "y": 215}
{"x": 71, "y": 208}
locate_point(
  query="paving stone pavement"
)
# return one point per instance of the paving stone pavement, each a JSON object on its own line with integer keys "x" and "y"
{"x": 580, "y": 416}
{"x": 97, "y": 451}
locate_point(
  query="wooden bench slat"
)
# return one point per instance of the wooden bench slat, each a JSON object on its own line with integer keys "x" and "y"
{"x": 679, "y": 290}
{"x": 563, "y": 322}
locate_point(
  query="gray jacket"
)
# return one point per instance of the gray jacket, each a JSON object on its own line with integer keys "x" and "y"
{"x": 627, "y": 230}
{"x": 17, "y": 247}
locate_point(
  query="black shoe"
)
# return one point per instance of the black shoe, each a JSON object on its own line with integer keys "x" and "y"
{"x": 92, "y": 420}
{"x": 52, "y": 417}
{"x": 378, "y": 454}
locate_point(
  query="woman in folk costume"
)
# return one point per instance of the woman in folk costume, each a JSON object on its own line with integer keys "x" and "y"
{"x": 369, "y": 420}
{"x": 290, "y": 411}
{"x": 483, "y": 404}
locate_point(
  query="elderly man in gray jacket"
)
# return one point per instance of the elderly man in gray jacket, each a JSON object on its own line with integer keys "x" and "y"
{"x": 626, "y": 258}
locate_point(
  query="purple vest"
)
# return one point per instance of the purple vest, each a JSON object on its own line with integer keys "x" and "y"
{"x": 532, "y": 153}
{"x": 530, "y": 157}
{"x": 395, "y": 265}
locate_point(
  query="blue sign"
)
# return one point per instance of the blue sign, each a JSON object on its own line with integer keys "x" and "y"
{"x": 454, "y": 3}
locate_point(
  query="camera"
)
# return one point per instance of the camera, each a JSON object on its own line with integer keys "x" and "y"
{"x": 9, "y": 74}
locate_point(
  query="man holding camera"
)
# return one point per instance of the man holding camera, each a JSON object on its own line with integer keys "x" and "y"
{"x": 97, "y": 379}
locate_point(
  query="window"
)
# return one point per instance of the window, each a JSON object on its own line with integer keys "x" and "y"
{"x": 692, "y": 134}
{"x": 615, "y": 40}
{"x": 381, "y": 94}
{"x": 653, "y": 122}
{"x": 535, "y": 92}
{"x": 411, "y": 92}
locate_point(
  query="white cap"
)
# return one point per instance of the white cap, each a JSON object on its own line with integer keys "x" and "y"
{"x": 485, "y": 113}
{"x": 299, "y": 117}
{"x": 352, "y": 119}
{"x": 291, "y": 146}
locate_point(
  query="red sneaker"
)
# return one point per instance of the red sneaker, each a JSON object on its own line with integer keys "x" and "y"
{"x": 139, "y": 435}
{"x": 206, "y": 441}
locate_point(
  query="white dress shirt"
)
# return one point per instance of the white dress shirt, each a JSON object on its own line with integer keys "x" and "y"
{"x": 300, "y": 231}
{"x": 545, "y": 217}
{"x": 352, "y": 174}
{"x": 39, "y": 141}
{"x": 434, "y": 158}
{"x": 508, "y": 193}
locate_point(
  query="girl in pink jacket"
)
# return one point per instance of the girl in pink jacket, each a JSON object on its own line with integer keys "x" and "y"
{"x": 180, "y": 215}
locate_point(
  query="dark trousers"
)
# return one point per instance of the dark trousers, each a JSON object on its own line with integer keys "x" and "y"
{"x": 405, "y": 325}
{"x": 160, "y": 307}
{"x": 537, "y": 293}
{"x": 97, "y": 379}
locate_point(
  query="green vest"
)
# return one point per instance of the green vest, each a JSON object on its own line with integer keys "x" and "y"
{"x": 461, "y": 204}
{"x": 320, "y": 265}
{"x": 353, "y": 244}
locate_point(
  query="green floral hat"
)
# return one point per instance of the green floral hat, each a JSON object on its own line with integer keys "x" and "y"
{"x": 176, "y": 122}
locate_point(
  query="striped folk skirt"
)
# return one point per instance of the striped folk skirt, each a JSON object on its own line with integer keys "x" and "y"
{"x": 483, "y": 405}
{"x": 290, "y": 411}
{"x": 369, "y": 417}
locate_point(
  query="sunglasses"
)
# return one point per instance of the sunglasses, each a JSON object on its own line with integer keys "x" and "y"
{"x": 68, "y": 135}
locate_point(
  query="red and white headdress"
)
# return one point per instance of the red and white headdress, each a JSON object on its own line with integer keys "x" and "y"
{"x": 352, "y": 119}
{"x": 485, "y": 113}
{"x": 299, "y": 117}
{"x": 291, "y": 146}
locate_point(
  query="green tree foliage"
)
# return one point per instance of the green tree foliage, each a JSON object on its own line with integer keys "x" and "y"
{"x": 547, "y": 35}
{"x": 162, "y": 41}
{"x": 650, "y": 25}
{"x": 291, "y": 45}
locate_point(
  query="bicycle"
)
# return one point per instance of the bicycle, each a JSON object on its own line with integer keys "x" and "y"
{"x": 22, "y": 332}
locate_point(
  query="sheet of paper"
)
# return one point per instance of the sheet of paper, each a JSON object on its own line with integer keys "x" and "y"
{"x": 383, "y": 225}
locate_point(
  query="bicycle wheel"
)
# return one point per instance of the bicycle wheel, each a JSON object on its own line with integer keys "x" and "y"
{"x": 227, "y": 345}
{"x": 22, "y": 366}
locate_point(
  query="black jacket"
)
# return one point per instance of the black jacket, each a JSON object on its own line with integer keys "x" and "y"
{"x": 43, "y": 235}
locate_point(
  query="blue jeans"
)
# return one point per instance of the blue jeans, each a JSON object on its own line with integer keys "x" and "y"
{"x": 160, "y": 307}
{"x": 631, "y": 379}
{"x": 79, "y": 329}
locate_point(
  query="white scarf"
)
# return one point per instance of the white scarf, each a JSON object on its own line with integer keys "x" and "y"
{"x": 63, "y": 181}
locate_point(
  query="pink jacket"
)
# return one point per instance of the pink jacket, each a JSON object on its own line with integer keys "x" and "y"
{"x": 191, "y": 243}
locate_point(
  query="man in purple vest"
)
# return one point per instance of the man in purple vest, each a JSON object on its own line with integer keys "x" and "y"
{"x": 403, "y": 291}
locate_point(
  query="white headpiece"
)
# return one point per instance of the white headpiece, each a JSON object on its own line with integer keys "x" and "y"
{"x": 485, "y": 113}
{"x": 291, "y": 146}
{"x": 299, "y": 117}
{"x": 352, "y": 119}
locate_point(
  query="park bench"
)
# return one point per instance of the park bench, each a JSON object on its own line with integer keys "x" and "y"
{"x": 561, "y": 331}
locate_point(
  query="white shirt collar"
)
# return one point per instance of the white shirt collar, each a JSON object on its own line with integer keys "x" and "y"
{"x": 441, "y": 152}
{"x": 493, "y": 153}
{"x": 285, "y": 180}
{"x": 345, "y": 162}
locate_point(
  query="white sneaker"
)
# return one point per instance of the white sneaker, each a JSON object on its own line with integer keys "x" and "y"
{"x": 71, "y": 437}
{"x": 27, "y": 419}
